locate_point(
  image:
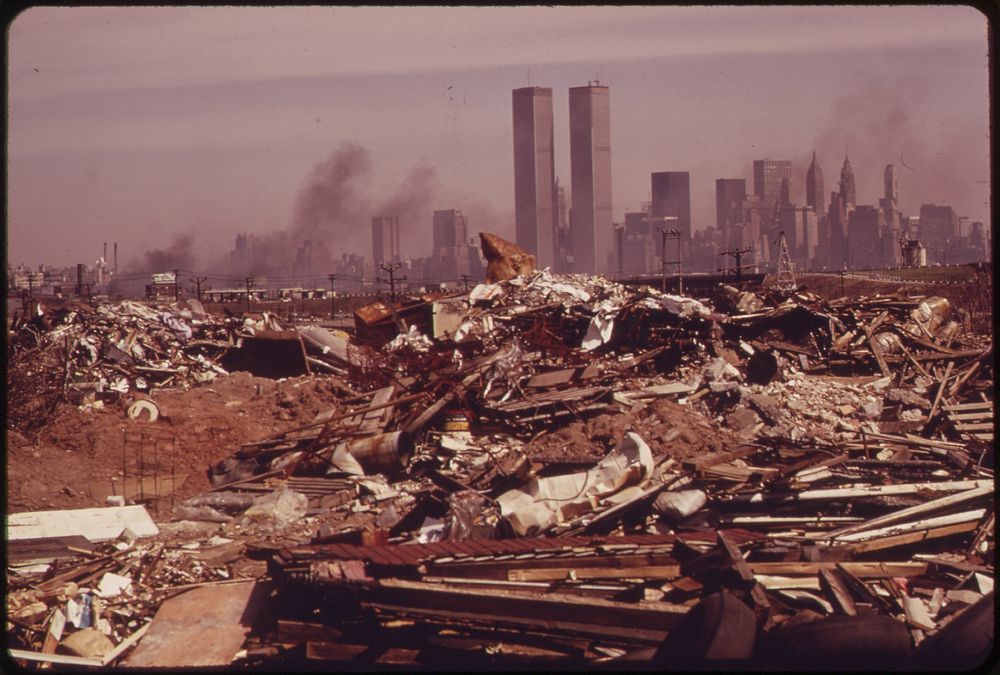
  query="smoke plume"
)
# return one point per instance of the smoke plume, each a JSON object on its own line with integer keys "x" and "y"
{"x": 178, "y": 255}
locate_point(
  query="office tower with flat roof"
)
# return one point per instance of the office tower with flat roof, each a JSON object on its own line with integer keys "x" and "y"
{"x": 385, "y": 239}
{"x": 590, "y": 225}
{"x": 938, "y": 231}
{"x": 767, "y": 178}
{"x": 671, "y": 205}
{"x": 814, "y": 187}
{"x": 865, "y": 225}
{"x": 729, "y": 196}
{"x": 534, "y": 173}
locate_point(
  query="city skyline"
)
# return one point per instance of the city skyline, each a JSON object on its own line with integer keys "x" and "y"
{"x": 134, "y": 124}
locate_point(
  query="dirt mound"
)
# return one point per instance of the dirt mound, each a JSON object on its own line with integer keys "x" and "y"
{"x": 669, "y": 428}
{"x": 76, "y": 460}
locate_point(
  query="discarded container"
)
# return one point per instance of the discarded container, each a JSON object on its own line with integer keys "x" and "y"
{"x": 386, "y": 453}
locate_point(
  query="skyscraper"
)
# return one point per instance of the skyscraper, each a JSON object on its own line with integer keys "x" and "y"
{"x": 729, "y": 196}
{"x": 385, "y": 239}
{"x": 590, "y": 177}
{"x": 891, "y": 185}
{"x": 449, "y": 229}
{"x": 534, "y": 173}
{"x": 671, "y": 192}
{"x": 814, "y": 186}
{"x": 847, "y": 192}
{"x": 767, "y": 177}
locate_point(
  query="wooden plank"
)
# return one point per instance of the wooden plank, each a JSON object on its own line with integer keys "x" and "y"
{"x": 549, "y": 607}
{"x": 940, "y": 391}
{"x": 200, "y": 628}
{"x": 122, "y": 646}
{"x": 60, "y": 659}
{"x": 974, "y": 427}
{"x": 963, "y": 417}
{"x": 983, "y": 405}
{"x": 834, "y": 586}
{"x": 903, "y": 514}
{"x": 911, "y": 537}
{"x": 858, "y": 569}
{"x": 879, "y": 356}
{"x": 899, "y": 528}
{"x": 561, "y": 573}
{"x": 608, "y": 632}
{"x": 705, "y": 461}
{"x": 861, "y": 491}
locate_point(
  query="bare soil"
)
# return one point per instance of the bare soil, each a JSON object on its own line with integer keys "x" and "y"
{"x": 77, "y": 458}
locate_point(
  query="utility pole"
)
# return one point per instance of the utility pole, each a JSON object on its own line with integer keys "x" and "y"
{"x": 197, "y": 282}
{"x": 249, "y": 286}
{"x": 672, "y": 234}
{"x": 391, "y": 269}
{"x": 177, "y": 291}
{"x": 738, "y": 255}
{"x": 333, "y": 296}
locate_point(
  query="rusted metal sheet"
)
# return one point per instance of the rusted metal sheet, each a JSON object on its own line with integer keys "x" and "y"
{"x": 203, "y": 627}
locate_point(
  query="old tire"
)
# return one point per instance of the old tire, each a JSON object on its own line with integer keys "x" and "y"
{"x": 964, "y": 644}
{"x": 719, "y": 628}
{"x": 870, "y": 641}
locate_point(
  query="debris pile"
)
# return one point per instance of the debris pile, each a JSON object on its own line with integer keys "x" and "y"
{"x": 560, "y": 470}
{"x": 93, "y": 355}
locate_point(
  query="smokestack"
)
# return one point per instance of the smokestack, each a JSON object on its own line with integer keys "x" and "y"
{"x": 105, "y": 256}
{"x": 116, "y": 257}
{"x": 79, "y": 278}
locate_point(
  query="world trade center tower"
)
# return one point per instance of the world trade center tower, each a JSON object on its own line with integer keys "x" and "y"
{"x": 534, "y": 174}
{"x": 590, "y": 223}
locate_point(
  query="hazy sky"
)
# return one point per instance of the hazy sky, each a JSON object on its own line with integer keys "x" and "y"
{"x": 138, "y": 124}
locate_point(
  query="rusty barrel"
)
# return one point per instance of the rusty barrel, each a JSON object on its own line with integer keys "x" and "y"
{"x": 385, "y": 453}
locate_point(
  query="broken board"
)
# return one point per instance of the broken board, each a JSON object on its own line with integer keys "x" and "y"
{"x": 203, "y": 627}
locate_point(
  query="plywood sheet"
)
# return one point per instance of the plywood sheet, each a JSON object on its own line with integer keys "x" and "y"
{"x": 203, "y": 627}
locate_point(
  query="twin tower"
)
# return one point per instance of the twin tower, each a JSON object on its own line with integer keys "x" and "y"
{"x": 584, "y": 248}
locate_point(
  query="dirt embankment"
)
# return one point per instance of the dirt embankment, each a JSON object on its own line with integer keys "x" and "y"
{"x": 76, "y": 459}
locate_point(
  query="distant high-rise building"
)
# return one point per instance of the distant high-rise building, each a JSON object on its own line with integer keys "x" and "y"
{"x": 638, "y": 244}
{"x": 729, "y": 196}
{"x": 671, "y": 192}
{"x": 385, "y": 240}
{"x": 449, "y": 229}
{"x": 534, "y": 173}
{"x": 891, "y": 185}
{"x": 847, "y": 191}
{"x": 590, "y": 177}
{"x": 837, "y": 223}
{"x": 452, "y": 257}
{"x": 938, "y": 231}
{"x": 814, "y": 187}
{"x": 767, "y": 178}
{"x": 864, "y": 230}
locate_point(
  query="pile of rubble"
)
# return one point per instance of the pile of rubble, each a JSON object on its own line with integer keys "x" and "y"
{"x": 555, "y": 469}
